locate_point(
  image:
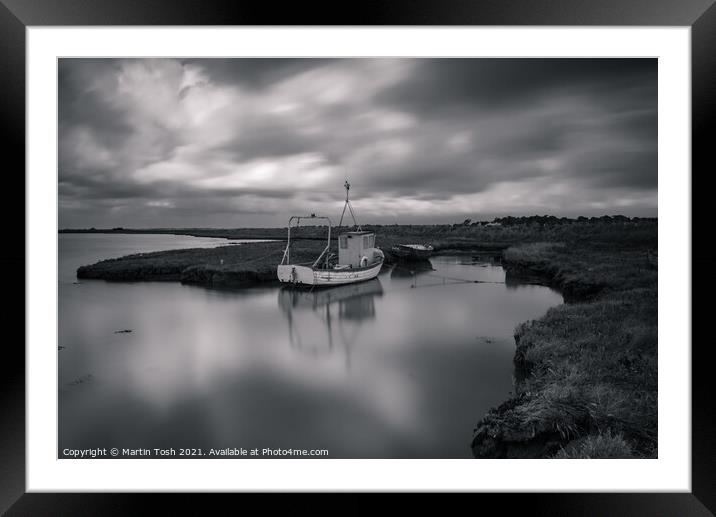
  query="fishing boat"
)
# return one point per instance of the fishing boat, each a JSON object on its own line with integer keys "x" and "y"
{"x": 358, "y": 258}
{"x": 412, "y": 251}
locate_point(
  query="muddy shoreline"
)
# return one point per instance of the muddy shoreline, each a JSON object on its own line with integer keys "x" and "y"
{"x": 585, "y": 373}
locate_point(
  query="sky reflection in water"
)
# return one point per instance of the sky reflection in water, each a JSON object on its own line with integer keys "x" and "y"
{"x": 400, "y": 366}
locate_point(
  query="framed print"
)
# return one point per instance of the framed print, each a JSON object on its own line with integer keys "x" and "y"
{"x": 419, "y": 253}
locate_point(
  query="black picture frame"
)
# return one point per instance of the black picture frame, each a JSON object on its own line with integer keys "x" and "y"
{"x": 17, "y": 15}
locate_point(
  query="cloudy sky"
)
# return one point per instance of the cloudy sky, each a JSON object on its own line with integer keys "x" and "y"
{"x": 249, "y": 142}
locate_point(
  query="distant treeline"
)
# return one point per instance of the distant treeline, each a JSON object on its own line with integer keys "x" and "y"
{"x": 550, "y": 220}
{"x": 541, "y": 220}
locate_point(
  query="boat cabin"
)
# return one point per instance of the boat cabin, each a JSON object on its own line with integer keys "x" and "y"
{"x": 356, "y": 248}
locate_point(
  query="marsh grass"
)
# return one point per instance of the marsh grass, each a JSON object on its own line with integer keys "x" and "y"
{"x": 598, "y": 446}
{"x": 586, "y": 372}
{"x": 231, "y": 265}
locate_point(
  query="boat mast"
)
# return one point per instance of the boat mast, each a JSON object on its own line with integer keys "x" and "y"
{"x": 349, "y": 206}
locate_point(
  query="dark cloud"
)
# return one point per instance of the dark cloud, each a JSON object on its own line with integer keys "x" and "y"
{"x": 255, "y": 72}
{"x": 225, "y": 141}
{"x": 80, "y": 106}
{"x": 453, "y": 84}
{"x": 606, "y": 168}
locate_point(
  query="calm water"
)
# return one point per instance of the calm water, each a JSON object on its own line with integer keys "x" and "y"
{"x": 401, "y": 366}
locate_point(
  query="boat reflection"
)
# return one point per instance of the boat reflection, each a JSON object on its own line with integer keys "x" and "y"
{"x": 340, "y": 310}
{"x": 411, "y": 269}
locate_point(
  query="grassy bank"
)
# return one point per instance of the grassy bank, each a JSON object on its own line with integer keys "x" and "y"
{"x": 223, "y": 266}
{"x": 586, "y": 372}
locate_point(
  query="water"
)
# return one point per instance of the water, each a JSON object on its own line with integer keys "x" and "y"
{"x": 402, "y": 366}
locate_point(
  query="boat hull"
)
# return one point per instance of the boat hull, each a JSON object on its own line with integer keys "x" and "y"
{"x": 410, "y": 253}
{"x": 305, "y": 275}
{"x": 294, "y": 300}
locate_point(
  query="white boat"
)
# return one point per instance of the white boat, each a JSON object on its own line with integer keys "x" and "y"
{"x": 358, "y": 258}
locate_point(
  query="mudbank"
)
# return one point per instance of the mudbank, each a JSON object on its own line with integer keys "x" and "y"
{"x": 585, "y": 373}
{"x": 224, "y": 266}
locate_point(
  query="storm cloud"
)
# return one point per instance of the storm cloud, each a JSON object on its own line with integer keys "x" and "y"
{"x": 249, "y": 142}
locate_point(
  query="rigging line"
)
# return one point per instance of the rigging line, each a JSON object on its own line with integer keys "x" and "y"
{"x": 348, "y": 204}
{"x": 350, "y": 207}
{"x": 342, "y": 214}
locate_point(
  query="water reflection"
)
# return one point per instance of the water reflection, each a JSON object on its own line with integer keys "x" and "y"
{"x": 522, "y": 280}
{"x": 412, "y": 269}
{"x": 339, "y": 310}
{"x": 486, "y": 257}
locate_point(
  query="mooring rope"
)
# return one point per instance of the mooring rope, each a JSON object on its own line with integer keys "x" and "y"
{"x": 445, "y": 277}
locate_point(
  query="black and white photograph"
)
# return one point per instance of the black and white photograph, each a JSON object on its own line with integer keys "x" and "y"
{"x": 357, "y": 258}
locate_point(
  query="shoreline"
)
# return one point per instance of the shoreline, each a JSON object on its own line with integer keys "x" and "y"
{"x": 585, "y": 372}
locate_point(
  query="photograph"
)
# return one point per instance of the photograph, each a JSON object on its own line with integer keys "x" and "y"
{"x": 357, "y": 257}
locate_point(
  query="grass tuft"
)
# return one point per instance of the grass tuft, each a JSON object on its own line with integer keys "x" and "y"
{"x": 597, "y": 446}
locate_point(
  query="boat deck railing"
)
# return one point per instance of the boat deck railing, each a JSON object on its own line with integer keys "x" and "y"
{"x": 287, "y": 252}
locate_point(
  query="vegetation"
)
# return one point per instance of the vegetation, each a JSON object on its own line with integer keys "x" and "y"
{"x": 585, "y": 373}
{"x": 223, "y": 266}
{"x": 599, "y": 446}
